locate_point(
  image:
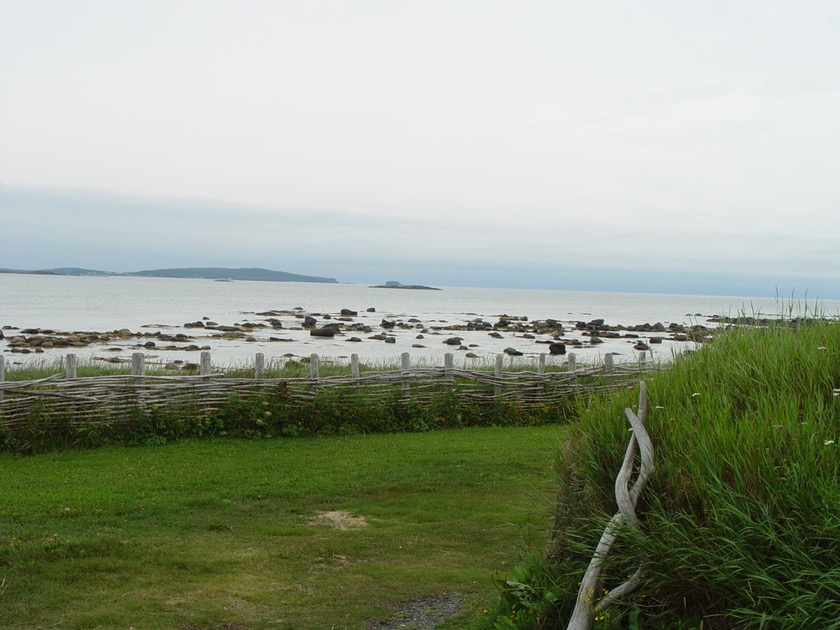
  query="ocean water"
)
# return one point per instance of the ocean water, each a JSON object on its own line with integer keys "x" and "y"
{"x": 103, "y": 304}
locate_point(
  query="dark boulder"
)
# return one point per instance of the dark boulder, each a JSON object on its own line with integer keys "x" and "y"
{"x": 387, "y": 324}
{"x": 512, "y": 352}
{"x": 557, "y": 348}
{"x": 309, "y": 322}
{"x": 326, "y": 331}
{"x": 346, "y": 312}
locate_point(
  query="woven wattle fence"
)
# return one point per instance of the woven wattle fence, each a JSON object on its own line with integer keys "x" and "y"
{"x": 125, "y": 399}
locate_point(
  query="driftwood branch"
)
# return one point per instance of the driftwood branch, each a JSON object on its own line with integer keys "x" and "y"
{"x": 592, "y": 598}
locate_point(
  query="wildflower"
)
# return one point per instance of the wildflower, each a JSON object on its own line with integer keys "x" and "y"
{"x": 695, "y": 394}
{"x": 659, "y": 407}
{"x": 828, "y": 442}
{"x": 821, "y": 348}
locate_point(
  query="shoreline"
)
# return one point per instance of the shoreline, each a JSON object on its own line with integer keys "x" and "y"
{"x": 292, "y": 334}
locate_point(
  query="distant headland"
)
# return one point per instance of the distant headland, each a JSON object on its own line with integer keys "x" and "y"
{"x": 393, "y": 284}
{"x": 207, "y": 273}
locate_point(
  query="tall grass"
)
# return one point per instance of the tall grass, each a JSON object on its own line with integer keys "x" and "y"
{"x": 740, "y": 526}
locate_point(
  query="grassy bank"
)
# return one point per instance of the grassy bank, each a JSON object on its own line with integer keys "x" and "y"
{"x": 220, "y": 533}
{"x": 740, "y": 523}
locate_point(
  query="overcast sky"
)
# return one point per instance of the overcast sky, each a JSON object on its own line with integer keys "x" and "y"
{"x": 656, "y": 146}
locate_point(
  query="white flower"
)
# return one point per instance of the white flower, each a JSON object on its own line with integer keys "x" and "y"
{"x": 695, "y": 394}
{"x": 828, "y": 442}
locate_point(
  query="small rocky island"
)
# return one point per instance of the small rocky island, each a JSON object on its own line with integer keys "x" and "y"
{"x": 393, "y": 284}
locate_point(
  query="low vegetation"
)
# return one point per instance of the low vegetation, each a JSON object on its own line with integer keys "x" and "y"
{"x": 740, "y": 523}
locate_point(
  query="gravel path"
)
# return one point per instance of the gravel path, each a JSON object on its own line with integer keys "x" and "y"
{"x": 423, "y": 613}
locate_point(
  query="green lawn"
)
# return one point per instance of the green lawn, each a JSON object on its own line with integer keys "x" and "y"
{"x": 219, "y": 533}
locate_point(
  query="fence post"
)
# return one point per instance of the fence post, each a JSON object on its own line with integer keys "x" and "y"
{"x": 608, "y": 362}
{"x": 138, "y": 366}
{"x": 354, "y": 366}
{"x": 204, "y": 364}
{"x": 313, "y": 366}
{"x": 70, "y": 365}
{"x": 541, "y": 364}
{"x": 500, "y": 361}
{"x": 642, "y": 359}
{"x": 2, "y": 374}
{"x": 448, "y": 363}
{"x": 259, "y": 366}
{"x": 405, "y": 369}
{"x": 572, "y": 366}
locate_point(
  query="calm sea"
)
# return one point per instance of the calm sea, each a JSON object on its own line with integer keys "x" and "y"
{"x": 79, "y": 303}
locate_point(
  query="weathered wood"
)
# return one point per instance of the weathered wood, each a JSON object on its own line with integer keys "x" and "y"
{"x": 354, "y": 366}
{"x": 2, "y": 374}
{"x": 71, "y": 364}
{"x": 541, "y": 364}
{"x": 500, "y": 362}
{"x": 448, "y": 364}
{"x": 115, "y": 397}
{"x": 204, "y": 364}
{"x": 592, "y": 598}
{"x": 259, "y": 366}
{"x": 405, "y": 373}
{"x": 138, "y": 366}
{"x": 608, "y": 362}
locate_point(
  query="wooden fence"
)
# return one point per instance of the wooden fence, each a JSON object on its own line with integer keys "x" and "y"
{"x": 118, "y": 399}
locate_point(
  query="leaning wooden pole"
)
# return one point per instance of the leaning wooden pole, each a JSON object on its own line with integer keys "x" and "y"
{"x": 592, "y": 599}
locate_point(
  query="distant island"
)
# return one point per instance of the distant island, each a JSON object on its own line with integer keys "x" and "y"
{"x": 393, "y": 284}
{"x": 207, "y": 273}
